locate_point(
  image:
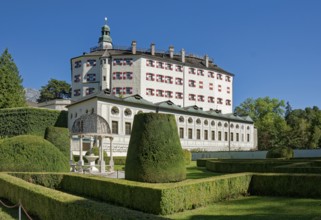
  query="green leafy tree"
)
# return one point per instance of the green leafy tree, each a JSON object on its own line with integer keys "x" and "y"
{"x": 11, "y": 90}
{"x": 267, "y": 114}
{"x": 55, "y": 89}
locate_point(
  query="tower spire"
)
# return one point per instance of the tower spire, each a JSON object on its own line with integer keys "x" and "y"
{"x": 105, "y": 41}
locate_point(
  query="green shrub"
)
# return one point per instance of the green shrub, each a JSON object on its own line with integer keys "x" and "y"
{"x": 154, "y": 151}
{"x": 34, "y": 121}
{"x": 153, "y": 198}
{"x": 31, "y": 153}
{"x": 202, "y": 162}
{"x": 280, "y": 152}
{"x": 55, "y": 205}
{"x": 294, "y": 185}
{"x": 187, "y": 156}
{"x": 60, "y": 138}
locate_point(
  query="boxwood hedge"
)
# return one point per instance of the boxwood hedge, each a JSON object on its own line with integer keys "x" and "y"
{"x": 60, "y": 138}
{"x": 20, "y": 121}
{"x": 51, "y": 204}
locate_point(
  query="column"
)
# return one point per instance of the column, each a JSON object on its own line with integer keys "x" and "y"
{"x": 102, "y": 161}
{"x": 111, "y": 162}
{"x": 81, "y": 161}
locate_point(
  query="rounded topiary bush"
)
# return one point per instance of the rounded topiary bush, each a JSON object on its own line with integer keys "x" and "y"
{"x": 280, "y": 152}
{"x": 187, "y": 156}
{"x": 60, "y": 138}
{"x": 31, "y": 153}
{"x": 154, "y": 152}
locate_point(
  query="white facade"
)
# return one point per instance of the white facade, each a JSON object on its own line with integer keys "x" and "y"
{"x": 198, "y": 130}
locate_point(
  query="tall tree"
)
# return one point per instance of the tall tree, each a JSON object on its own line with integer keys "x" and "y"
{"x": 55, "y": 89}
{"x": 11, "y": 89}
{"x": 267, "y": 114}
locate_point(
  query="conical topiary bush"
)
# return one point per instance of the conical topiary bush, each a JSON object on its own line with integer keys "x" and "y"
{"x": 155, "y": 154}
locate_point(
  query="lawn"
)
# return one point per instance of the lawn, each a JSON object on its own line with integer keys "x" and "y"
{"x": 194, "y": 172}
{"x": 257, "y": 208}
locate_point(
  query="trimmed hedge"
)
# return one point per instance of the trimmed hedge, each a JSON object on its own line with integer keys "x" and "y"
{"x": 60, "y": 138}
{"x": 52, "y": 204}
{"x": 187, "y": 156}
{"x": 154, "y": 151}
{"x": 152, "y": 198}
{"x": 280, "y": 152}
{"x": 31, "y": 153}
{"x": 293, "y": 185}
{"x": 34, "y": 121}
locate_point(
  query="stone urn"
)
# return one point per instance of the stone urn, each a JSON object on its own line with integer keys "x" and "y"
{"x": 91, "y": 160}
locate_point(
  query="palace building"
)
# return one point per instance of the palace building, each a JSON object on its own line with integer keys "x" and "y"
{"x": 119, "y": 82}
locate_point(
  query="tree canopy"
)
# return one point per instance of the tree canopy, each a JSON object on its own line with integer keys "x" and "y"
{"x": 11, "y": 90}
{"x": 279, "y": 125}
{"x": 55, "y": 89}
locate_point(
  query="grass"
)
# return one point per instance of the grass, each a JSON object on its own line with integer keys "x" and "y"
{"x": 256, "y": 208}
{"x": 194, "y": 172}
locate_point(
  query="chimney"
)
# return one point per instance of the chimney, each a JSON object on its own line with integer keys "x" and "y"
{"x": 133, "y": 47}
{"x": 183, "y": 55}
{"x": 171, "y": 51}
{"x": 152, "y": 49}
{"x": 206, "y": 60}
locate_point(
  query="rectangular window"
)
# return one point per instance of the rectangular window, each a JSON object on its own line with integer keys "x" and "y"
{"x": 150, "y": 63}
{"x": 211, "y": 86}
{"x": 219, "y": 101}
{"x": 127, "y": 90}
{"x": 190, "y": 133}
{"x": 159, "y": 78}
{"x": 169, "y": 79}
{"x": 118, "y": 62}
{"x": 160, "y": 93}
{"x": 228, "y": 102}
{"x": 219, "y": 76}
{"x": 211, "y": 75}
{"x": 213, "y": 135}
{"x": 77, "y": 92}
{"x": 91, "y": 77}
{"x": 77, "y": 78}
{"x": 248, "y": 137}
{"x": 201, "y": 84}
{"x": 191, "y": 83}
{"x": 91, "y": 63}
{"x": 117, "y": 75}
{"x": 128, "y": 61}
{"x": 150, "y": 76}
{"x": 228, "y": 79}
{"x": 200, "y": 72}
{"x": 169, "y": 94}
{"x": 179, "y": 95}
{"x": 104, "y": 78}
{"x": 198, "y": 134}
{"x": 150, "y": 92}
{"x": 128, "y": 75}
{"x": 117, "y": 90}
{"x": 191, "y": 71}
{"x": 114, "y": 127}
{"x": 237, "y": 137}
{"x": 232, "y": 136}
{"x": 169, "y": 66}
{"x": 225, "y": 136}
{"x": 78, "y": 64}
{"x": 179, "y": 81}
{"x": 210, "y": 99}
{"x": 200, "y": 98}
{"x": 228, "y": 90}
{"x": 219, "y": 88}
{"x": 219, "y": 135}
{"x": 179, "y": 68}
{"x": 191, "y": 97}
{"x": 205, "y": 134}
{"x": 181, "y": 132}
{"x": 128, "y": 128}
{"x": 90, "y": 91}
{"x": 160, "y": 65}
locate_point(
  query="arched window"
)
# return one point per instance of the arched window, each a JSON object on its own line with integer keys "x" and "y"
{"x": 219, "y": 124}
{"x": 248, "y": 127}
{"x": 237, "y": 126}
{"x": 190, "y": 120}
{"x": 205, "y": 122}
{"x": 198, "y": 121}
{"x": 213, "y": 123}
{"x": 181, "y": 119}
{"x": 232, "y": 126}
{"x": 127, "y": 112}
{"x": 114, "y": 110}
{"x": 225, "y": 125}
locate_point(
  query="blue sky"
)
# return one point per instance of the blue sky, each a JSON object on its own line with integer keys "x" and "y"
{"x": 272, "y": 46}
